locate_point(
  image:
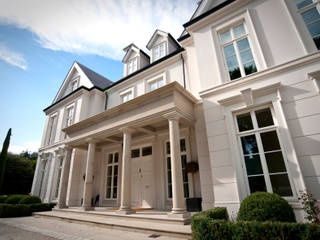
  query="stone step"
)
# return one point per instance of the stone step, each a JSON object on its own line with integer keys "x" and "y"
{"x": 127, "y": 223}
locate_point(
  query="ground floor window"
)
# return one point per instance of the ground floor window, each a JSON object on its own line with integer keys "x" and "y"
{"x": 264, "y": 160}
{"x": 60, "y": 159}
{"x": 183, "y": 156}
{"x": 112, "y": 176}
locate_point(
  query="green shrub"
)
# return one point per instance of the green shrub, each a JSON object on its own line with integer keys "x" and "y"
{"x": 14, "y": 210}
{"x": 41, "y": 207}
{"x": 30, "y": 199}
{"x": 3, "y": 198}
{"x": 219, "y": 213}
{"x": 14, "y": 199}
{"x": 204, "y": 228}
{"x": 262, "y": 206}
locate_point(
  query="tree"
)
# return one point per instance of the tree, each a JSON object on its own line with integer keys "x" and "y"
{"x": 3, "y": 157}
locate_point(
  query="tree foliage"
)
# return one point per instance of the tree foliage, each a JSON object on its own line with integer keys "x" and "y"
{"x": 3, "y": 158}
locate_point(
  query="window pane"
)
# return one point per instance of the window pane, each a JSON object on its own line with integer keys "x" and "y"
{"x": 239, "y": 31}
{"x": 183, "y": 160}
{"x": 135, "y": 153}
{"x": 146, "y": 151}
{"x": 169, "y": 191}
{"x": 160, "y": 83}
{"x": 109, "y": 170}
{"x": 250, "y": 68}
{"x": 182, "y": 145}
{"x": 115, "y": 181}
{"x": 108, "y": 192}
{"x": 253, "y": 165}
{"x": 229, "y": 51}
{"x": 303, "y": 3}
{"x": 243, "y": 44}
{"x": 225, "y": 37}
{"x": 115, "y": 171}
{"x": 168, "y": 147}
{"x": 281, "y": 185}
{"x": 185, "y": 176}
{"x": 169, "y": 162}
{"x": 186, "y": 190}
{"x": 115, "y": 190}
{"x": 246, "y": 56}
{"x": 244, "y": 122}
{"x": 234, "y": 73}
{"x": 257, "y": 184}
{"x": 310, "y": 15}
{"x": 169, "y": 177}
{"x": 116, "y": 157}
{"x": 249, "y": 144}
{"x": 264, "y": 117}
{"x": 317, "y": 41}
{"x": 270, "y": 141}
{"x": 275, "y": 162}
{"x": 153, "y": 85}
{"x": 314, "y": 28}
{"x": 232, "y": 62}
{"x": 109, "y": 181}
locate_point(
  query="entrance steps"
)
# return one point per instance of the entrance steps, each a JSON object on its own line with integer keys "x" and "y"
{"x": 153, "y": 222}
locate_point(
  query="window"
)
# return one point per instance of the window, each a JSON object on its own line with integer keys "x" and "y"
{"x": 135, "y": 153}
{"x": 262, "y": 154}
{"x": 309, "y": 10}
{"x": 126, "y": 96}
{"x": 145, "y": 151}
{"x": 112, "y": 176}
{"x": 74, "y": 85}
{"x": 59, "y": 176}
{"x": 237, "y": 52}
{"x": 69, "y": 116}
{"x": 51, "y": 129}
{"x": 183, "y": 156}
{"x": 159, "y": 51}
{"x": 155, "y": 84}
{"x": 132, "y": 65}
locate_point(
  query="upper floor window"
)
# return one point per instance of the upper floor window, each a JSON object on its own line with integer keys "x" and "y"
{"x": 74, "y": 85}
{"x": 69, "y": 116}
{"x": 237, "y": 51}
{"x": 51, "y": 129}
{"x": 126, "y": 95}
{"x": 262, "y": 153}
{"x": 155, "y": 84}
{"x": 309, "y": 10}
{"x": 132, "y": 65}
{"x": 159, "y": 51}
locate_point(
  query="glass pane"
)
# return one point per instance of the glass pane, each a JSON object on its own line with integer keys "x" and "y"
{"x": 257, "y": 184}
{"x": 239, "y": 31}
{"x": 317, "y": 41}
{"x": 246, "y": 56}
{"x": 249, "y": 144}
{"x": 135, "y": 153}
{"x": 110, "y": 158}
{"x": 243, "y": 44}
{"x": 253, "y": 165}
{"x": 146, "y": 151}
{"x": 116, "y": 157}
{"x": 185, "y": 176}
{"x": 314, "y": 28}
{"x": 229, "y": 51}
{"x": 169, "y": 162}
{"x": 303, "y": 3}
{"x": 264, "y": 117}
{"x": 115, "y": 181}
{"x": 275, "y": 162}
{"x": 186, "y": 190}
{"x": 281, "y": 185}
{"x": 169, "y": 191}
{"x": 109, "y": 170}
{"x": 183, "y": 160}
{"x": 250, "y": 68}
{"x": 109, "y": 181}
{"x": 115, "y": 190}
{"x": 108, "y": 192}
{"x": 225, "y": 37}
{"x": 160, "y": 83}
{"x": 169, "y": 177}
{"x": 270, "y": 141}
{"x": 244, "y": 122}
{"x": 232, "y": 61}
{"x": 115, "y": 173}
{"x": 168, "y": 147}
{"x": 310, "y": 15}
{"x": 153, "y": 86}
{"x": 182, "y": 145}
{"x": 234, "y": 73}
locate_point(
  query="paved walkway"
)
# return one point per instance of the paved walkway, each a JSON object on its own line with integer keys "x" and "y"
{"x": 34, "y": 228}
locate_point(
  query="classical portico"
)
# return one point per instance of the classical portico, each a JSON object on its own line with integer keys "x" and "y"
{"x": 158, "y": 115}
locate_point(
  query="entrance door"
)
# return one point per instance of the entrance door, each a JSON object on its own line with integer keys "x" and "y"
{"x": 142, "y": 182}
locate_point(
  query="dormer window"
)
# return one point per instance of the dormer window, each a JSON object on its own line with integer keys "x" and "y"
{"x": 159, "y": 51}
{"x": 132, "y": 65}
{"x": 74, "y": 85}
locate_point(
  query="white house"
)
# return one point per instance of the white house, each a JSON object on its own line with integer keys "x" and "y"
{"x": 238, "y": 93}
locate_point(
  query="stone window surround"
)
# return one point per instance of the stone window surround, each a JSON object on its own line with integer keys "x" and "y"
{"x": 125, "y": 92}
{"x": 161, "y": 76}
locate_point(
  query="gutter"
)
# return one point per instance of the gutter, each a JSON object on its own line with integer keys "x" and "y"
{"x": 183, "y": 71}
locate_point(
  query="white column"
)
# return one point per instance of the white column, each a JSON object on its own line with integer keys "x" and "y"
{"x": 88, "y": 183}
{"x": 125, "y": 207}
{"x": 178, "y": 201}
{"x": 35, "y": 183}
{"x": 64, "y": 178}
{"x": 52, "y": 167}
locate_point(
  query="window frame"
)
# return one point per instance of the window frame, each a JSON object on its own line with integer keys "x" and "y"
{"x": 125, "y": 93}
{"x": 158, "y": 48}
{"x": 67, "y": 121}
{"x": 255, "y": 131}
{"x": 50, "y": 139}
{"x": 133, "y": 62}
{"x": 157, "y": 78}
{"x": 74, "y": 83}
{"x": 107, "y": 165}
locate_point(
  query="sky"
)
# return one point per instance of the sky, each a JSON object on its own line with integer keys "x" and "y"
{"x": 40, "y": 39}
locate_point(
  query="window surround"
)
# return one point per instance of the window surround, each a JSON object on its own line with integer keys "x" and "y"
{"x": 254, "y": 98}
{"x": 156, "y": 78}
{"x": 126, "y": 92}
{"x": 51, "y": 132}
{"x": 157, "y": 48}
{"x": 233, "y": 20}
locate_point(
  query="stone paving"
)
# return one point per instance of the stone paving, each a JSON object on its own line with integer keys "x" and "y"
{"x": 26, "y": 228}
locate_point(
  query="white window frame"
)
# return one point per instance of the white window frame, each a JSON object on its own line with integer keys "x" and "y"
{"x": 125, "y": 93}
{"x": 69, "y": 120}
{"x": 74, "y": 84}
{"x": 156, "y": 50}
{"x": 132, "y": 65}
{"x": 52, "y": 128}
{"x": 107, "y": 165}
{"x": 156, "y": 79}
{"x": 255, "y": 131}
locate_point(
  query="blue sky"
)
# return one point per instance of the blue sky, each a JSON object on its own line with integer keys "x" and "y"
{"x": 39, "y": 40}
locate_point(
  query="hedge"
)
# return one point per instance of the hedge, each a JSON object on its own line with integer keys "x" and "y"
{"x": 204, "y": 228}
{"x": 41, "y": 207}
{"x": 219, "y": 213}
{"x": 30, "y": 199}
{"x": 3, "y": 198}
{"x": 20, "y": 210}
{"x": 14, "y": 199}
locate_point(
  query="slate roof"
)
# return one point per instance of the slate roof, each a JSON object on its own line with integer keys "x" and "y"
{"x": 96, "y": 79}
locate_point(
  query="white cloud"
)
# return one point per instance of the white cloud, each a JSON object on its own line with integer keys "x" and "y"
{"x": 102, "y": 27}
{"x": 28, "y": 146}
{"x": 11, "y": 57}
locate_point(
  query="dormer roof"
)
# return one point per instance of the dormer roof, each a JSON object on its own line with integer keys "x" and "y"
{"x": 158, "y": 33}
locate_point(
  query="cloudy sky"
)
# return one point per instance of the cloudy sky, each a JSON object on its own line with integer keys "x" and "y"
{"x": 40, "y": 39}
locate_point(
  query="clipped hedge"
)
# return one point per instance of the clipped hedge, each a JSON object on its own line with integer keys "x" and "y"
{"x": 204, "y": 228}
{"x": 41, "y": 207}
{"x": 14, "y": 210}
{"x": 14, "y": 199}
{"x": 219, "y": 213}
{"x": 28, "y": 199}
{"x": 263, "y": 206}
{"x": 3, "y": 198}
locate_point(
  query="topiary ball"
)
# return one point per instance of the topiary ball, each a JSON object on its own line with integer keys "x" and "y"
{"x": 263, "y": 206}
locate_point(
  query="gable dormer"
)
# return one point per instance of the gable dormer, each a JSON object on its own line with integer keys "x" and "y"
{"x": 134, "y": 59}
{"x": 161, "y": 44}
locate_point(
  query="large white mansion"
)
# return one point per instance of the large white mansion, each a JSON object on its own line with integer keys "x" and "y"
{"x": 238, "y": 93}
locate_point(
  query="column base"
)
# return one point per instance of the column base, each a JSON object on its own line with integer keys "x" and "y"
{"x": 126, "y": 211}
{"x": 181, "y": 215}
{"x": 87, "y": 208}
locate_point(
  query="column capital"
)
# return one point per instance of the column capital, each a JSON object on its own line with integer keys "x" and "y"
{"x": 127, "y": 129}
{"x": 92, "y": 140}
{"x": 172, "y": 115}
{"x": 67, "y": 147}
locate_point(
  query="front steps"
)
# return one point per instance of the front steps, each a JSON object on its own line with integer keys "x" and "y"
{"x": 150, "y": 222}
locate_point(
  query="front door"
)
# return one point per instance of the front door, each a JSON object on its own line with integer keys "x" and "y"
{"x": 142, "y": 182}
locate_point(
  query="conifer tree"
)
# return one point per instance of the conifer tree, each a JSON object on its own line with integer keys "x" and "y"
{"x": 3, "y": 157}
